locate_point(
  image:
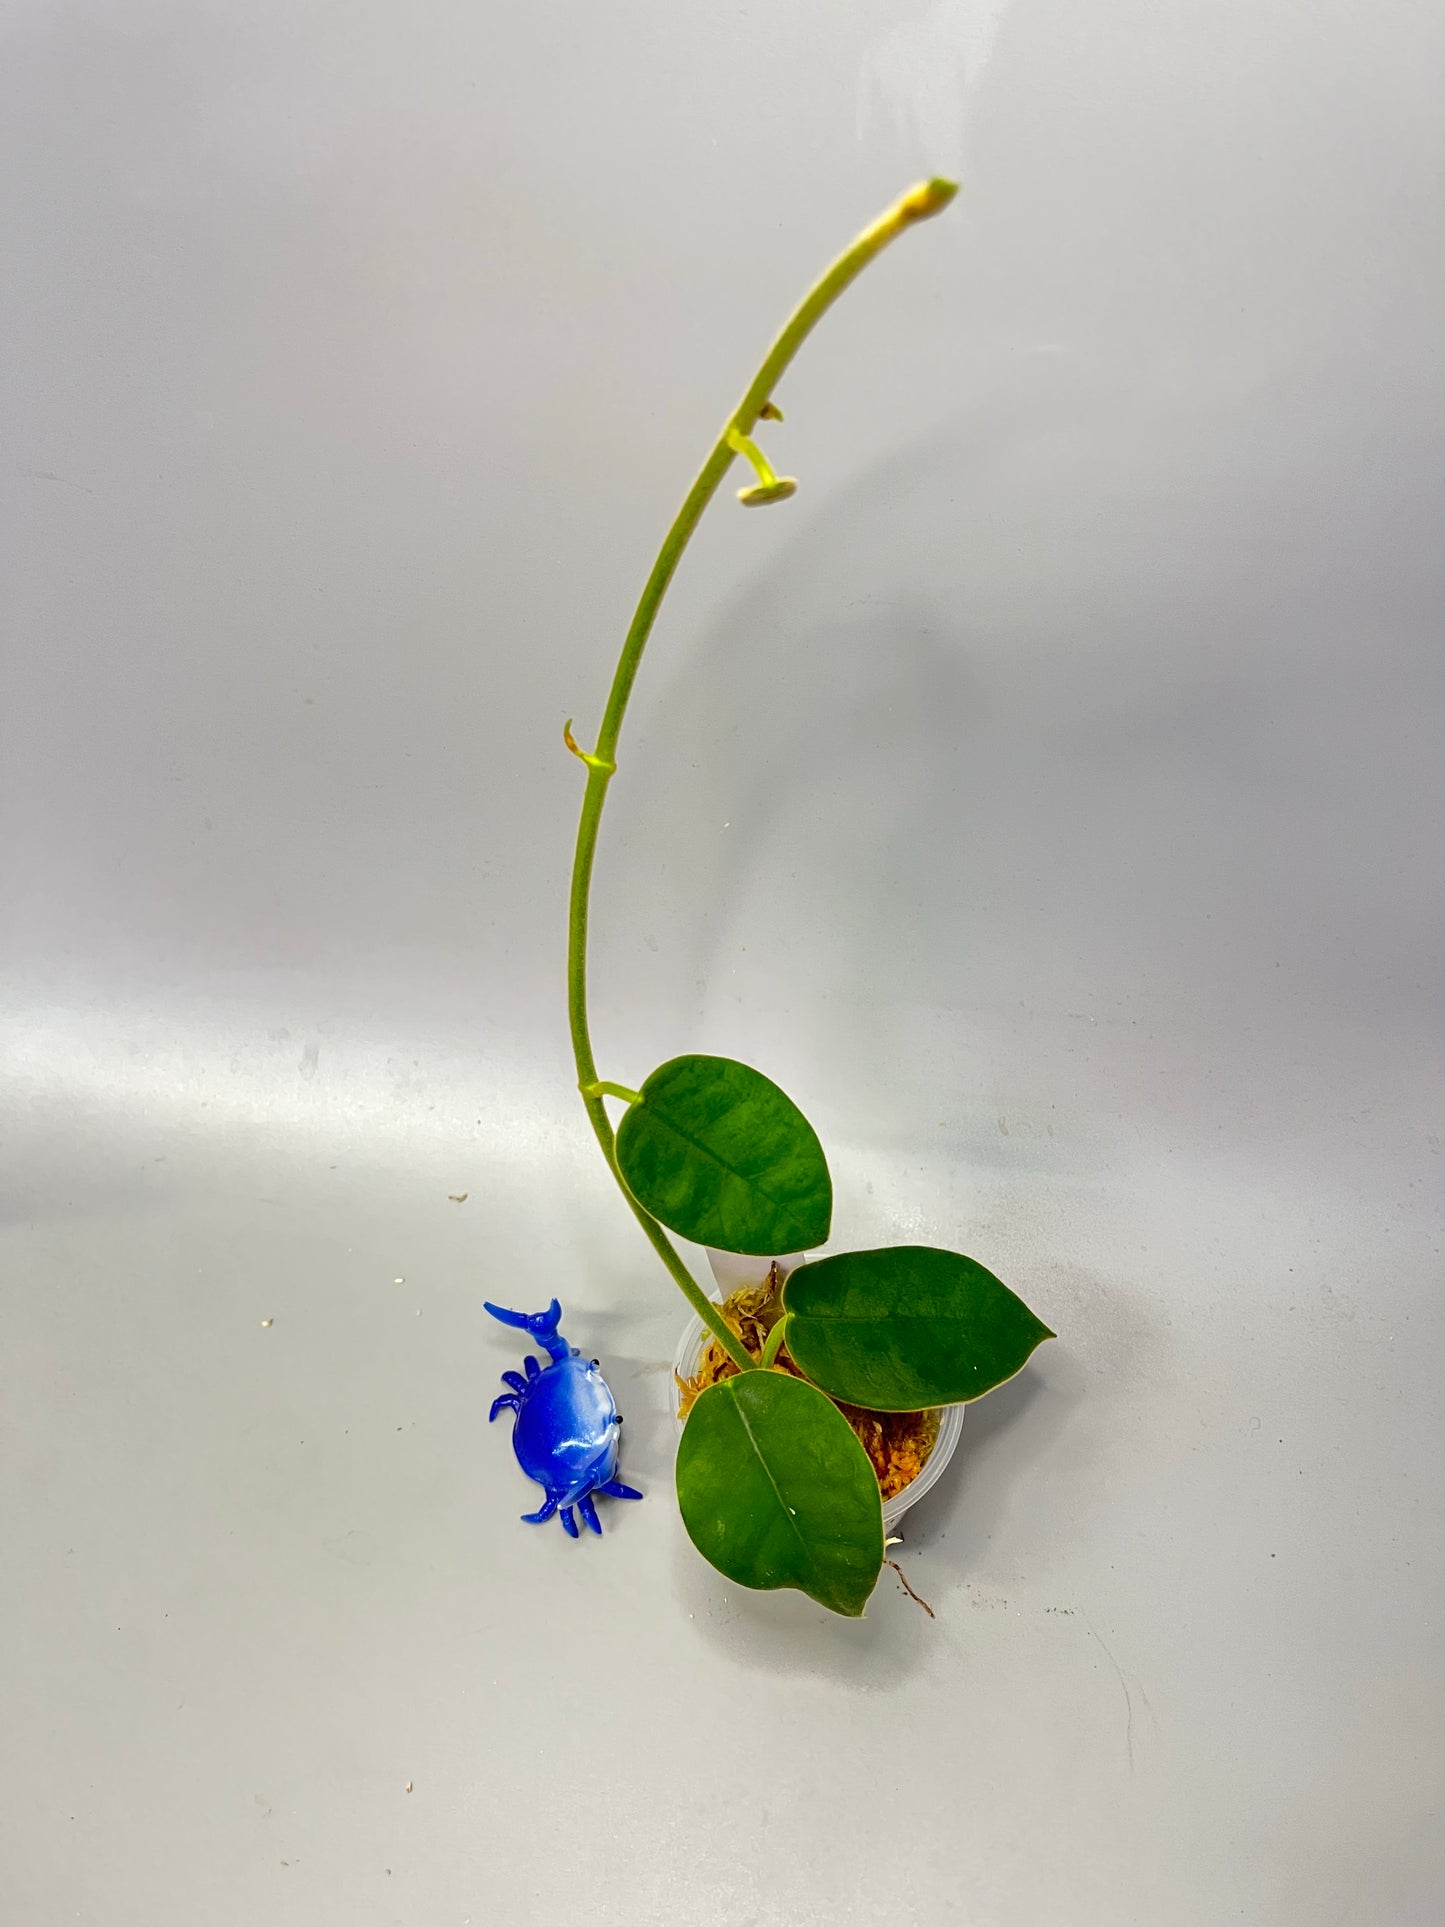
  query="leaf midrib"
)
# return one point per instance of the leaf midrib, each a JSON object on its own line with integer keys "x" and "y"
{"x": 707, "y": 1151}
{"x": 883, "y": 1318}
{"x": 777, "y": 1489}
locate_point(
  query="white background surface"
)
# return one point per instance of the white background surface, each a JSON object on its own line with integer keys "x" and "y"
{"x": 1049, "y": 797}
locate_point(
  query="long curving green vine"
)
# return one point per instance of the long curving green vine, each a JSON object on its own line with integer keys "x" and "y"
{"x": 774, "y": 1486}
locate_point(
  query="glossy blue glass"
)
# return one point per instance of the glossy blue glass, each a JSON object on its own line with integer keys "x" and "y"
{"x": 565, "y": 1434}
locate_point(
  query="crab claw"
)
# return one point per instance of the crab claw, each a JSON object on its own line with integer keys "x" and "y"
{"x": 542, "y": 1325}
{"x": 517, "y": 1318}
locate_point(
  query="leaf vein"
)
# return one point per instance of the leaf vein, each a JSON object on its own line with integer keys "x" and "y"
{"x": 722, "y": 1164}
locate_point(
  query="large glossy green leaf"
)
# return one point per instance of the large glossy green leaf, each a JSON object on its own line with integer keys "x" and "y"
{"x": 716, "y": 1152}
{"x": 776, "y": 1490}
{"x": 902, "y": 1329}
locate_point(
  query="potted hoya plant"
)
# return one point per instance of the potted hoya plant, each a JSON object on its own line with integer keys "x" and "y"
{"x": 816, "y": 1384}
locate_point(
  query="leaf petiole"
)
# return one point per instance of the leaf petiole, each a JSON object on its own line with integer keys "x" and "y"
{"x": 601, "y": 1087}
{"x": 774, "y": 1344}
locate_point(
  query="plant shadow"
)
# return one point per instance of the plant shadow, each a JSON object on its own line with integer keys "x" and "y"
{"x": 786, "y": 1635}
{"x": 816, "y": 684}
{"x": 1019, "y": 1497}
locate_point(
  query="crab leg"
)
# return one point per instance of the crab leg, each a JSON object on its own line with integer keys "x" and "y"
{"x": 538, "y": 1518}
{"x": 569, "y": 1522}
{"x": 615, "y": 1489}
{"x": 508, "y": 1401}
{"x": 589, "y": 1513}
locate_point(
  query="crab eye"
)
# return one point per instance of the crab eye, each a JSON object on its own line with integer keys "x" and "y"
{"x": 594, "y": 1363}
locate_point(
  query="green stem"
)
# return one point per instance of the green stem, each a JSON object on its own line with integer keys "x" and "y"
{"x": 928, "y": 198}
{"x": 775, "y": 1343}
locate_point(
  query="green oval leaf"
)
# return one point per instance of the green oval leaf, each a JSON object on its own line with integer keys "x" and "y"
{"x": 716, "y": 1152}
{"x": 776, "y": 1490}
{"x": 906, "y": 1328}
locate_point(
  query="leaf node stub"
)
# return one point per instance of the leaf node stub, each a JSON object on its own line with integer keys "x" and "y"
{"x": 604, "y": 763}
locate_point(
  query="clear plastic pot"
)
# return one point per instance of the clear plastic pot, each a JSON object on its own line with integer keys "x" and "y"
{"x": 732, "y": 1273}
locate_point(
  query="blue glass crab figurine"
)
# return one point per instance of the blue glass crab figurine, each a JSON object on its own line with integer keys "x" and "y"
{"x": 565, "y": 1431}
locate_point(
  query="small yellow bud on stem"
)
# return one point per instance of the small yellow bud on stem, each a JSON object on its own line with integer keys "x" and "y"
{"x": 927, "y": 199}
